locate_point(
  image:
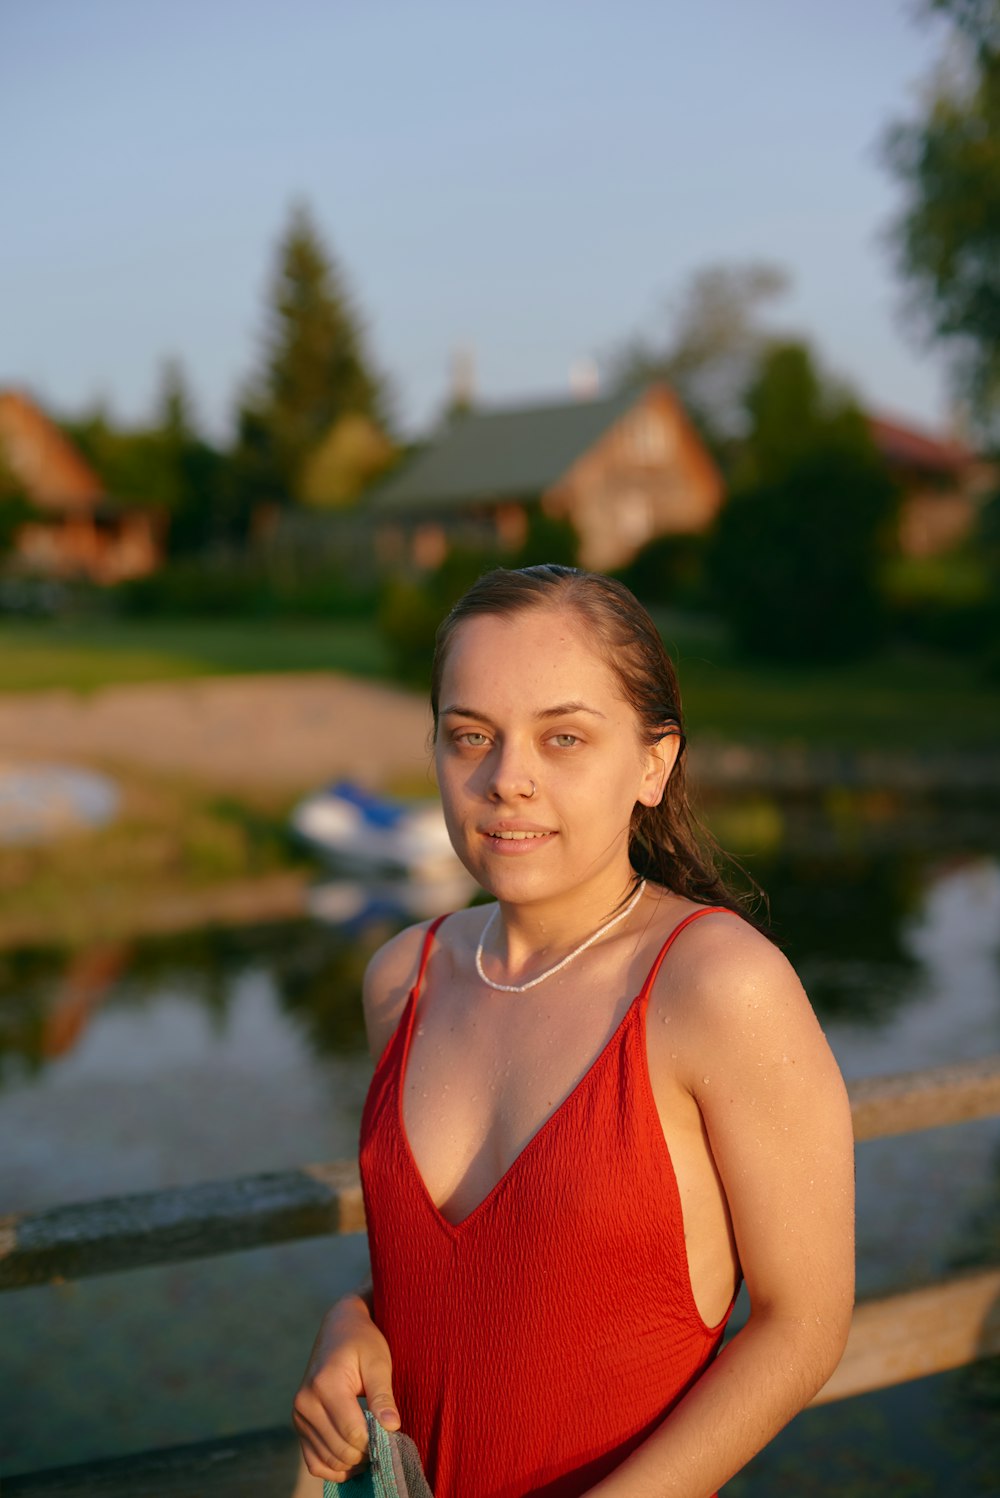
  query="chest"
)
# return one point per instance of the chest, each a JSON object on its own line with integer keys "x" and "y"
{"x": 481, "y": 1078}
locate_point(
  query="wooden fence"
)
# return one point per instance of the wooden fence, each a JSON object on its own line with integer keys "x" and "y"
{"x": 893, "y": 1338}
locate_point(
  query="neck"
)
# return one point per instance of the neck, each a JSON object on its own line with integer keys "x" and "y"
{"x": 527, "y": 936}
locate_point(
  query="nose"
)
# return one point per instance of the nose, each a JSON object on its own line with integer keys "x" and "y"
{"x": 510, "y": 776}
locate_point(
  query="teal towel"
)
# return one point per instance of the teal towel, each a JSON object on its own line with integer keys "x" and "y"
{"x": 393, "y": 1470}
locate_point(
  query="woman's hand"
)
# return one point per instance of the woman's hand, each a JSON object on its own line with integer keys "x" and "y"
{"x": 350, "y": 1359}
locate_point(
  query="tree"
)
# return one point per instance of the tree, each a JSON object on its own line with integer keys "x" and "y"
{"x": 192, "y": 473}
{"x": 711, "y": 347}
{"x": 315, "y": 371}
{"x": 165, "y": 464}
{"x": 347, "y": 459}
{"x": 798, "y": 551}
{"x": 947, "y": 237}
{"x": 791, "y": 410}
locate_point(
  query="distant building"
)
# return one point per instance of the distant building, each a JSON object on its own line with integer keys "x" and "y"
{"x": 622, "y": 470}
{"x": 77, "y": 531}
{"x": 942, "y": 485}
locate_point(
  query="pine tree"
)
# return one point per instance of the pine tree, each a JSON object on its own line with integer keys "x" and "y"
{"x": 314, "y": 372}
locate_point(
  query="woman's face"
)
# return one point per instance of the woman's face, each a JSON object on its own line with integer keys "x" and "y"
{"x": 527, "y": 701}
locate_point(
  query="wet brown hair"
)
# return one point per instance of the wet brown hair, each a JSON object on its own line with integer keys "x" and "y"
{"x": 667, "y": 843}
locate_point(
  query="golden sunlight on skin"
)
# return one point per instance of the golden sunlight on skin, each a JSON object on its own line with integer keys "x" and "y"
{"x": 541, "y": 764}
{"x": 526, "y": 702}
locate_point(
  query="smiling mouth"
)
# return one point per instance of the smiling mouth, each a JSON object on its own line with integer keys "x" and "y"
{"x": 517, "y": 837}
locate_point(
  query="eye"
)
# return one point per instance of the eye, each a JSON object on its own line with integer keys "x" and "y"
{"x": 472, "y": 738}
{"x": 565, "y": 740}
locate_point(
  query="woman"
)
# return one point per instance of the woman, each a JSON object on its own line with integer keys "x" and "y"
{"x": 598, "y": 1103}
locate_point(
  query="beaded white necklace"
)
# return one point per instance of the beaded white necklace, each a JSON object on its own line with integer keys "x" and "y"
{"x": 550, "y": 972}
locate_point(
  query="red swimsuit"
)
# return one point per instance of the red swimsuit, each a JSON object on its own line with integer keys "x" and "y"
{"x": 540, "y": 1340}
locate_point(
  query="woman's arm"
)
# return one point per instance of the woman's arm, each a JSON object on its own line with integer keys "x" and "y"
{"x": 350, "y": 1358}
{"x": 779, "y": 1125}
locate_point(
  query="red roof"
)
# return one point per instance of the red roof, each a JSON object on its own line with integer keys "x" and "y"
{"x": 909, "y": 447}
{"x": 53, "y": 474}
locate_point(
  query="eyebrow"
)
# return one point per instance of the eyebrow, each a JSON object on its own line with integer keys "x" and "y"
{"x": 560, "y": 710}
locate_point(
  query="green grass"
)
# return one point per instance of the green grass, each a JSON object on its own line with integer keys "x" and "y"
{"x": 83, "y": 656}
{"x": 900, "y": 700}
{"x": 171, "y": 838}
{"x": 955, "y": 577}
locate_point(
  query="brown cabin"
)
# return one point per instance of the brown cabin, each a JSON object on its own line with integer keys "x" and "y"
{"x": 622, "y": 470}
{"x": 77, "y": 531}
{"x": 942, "y": 484}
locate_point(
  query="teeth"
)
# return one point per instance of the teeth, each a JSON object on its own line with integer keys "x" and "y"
{"x": 516, "y": 837}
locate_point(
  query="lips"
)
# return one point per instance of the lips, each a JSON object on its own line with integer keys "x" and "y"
{"x": 516, "y": 837}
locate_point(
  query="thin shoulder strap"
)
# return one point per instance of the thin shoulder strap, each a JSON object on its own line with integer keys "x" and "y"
{"x": 425, "y": 954}
{"x": 695, "y": 915}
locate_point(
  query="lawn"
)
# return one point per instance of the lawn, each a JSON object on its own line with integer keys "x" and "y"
{"x": 86, "y": 655}
{"x": 902, "y": 700}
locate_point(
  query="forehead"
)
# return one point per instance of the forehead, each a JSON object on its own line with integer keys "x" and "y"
{"x": 541, "y": 647}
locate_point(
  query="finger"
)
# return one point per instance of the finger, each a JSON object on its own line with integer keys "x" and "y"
{"x": 318, "y": 1466}
{"x": 384, "y": 1409}
{"x": 349, "y": 1449}
{"x": 378, "y": 1392}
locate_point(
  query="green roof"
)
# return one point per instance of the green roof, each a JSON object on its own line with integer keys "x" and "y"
{"x": 507, "y": 453}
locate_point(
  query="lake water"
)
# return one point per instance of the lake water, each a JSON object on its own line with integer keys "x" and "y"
{"x": 224, "y": 1053}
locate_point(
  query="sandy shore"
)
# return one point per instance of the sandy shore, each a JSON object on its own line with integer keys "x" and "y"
{"x": 280, "y": 732}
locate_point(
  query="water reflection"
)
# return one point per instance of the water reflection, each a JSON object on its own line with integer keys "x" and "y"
{"x": 221, "y": 1052}
{"x": 869, "y": 933}
{"x": 841, "y": 920}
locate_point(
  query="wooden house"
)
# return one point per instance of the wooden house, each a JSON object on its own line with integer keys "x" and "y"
{"x": 942, "y": 484}
{"x": 76, "y": 529}
{"x": 622, "y": 470}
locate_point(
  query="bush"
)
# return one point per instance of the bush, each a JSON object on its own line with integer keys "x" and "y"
{"x": 411, "y": 609}
{"x": 670, "y": 572}
{"x": 951, "y": 601}
{"x": 796, "y": 561}
{"x": 239, "y": 589}
{"x": 549, "y": 539}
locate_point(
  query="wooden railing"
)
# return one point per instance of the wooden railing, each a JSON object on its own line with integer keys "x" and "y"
{"x": 893, "y": 1338}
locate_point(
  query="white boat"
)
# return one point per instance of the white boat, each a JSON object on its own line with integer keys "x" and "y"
{"x": 352, "y": 826}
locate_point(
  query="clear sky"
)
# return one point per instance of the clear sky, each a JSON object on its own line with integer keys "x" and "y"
{"x": 534, "y": 179}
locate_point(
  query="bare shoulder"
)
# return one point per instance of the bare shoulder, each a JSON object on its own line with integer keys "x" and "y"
{"x": 389, "y": 977}
{"x": 720, "y": 961}
{"x": 730, "y": 993}
{"x": 393, "y": 970}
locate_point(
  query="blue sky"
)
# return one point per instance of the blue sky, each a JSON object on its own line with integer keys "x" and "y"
{"x": 534, "y": 180}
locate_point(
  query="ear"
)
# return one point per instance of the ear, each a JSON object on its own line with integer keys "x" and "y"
{"x": 660, "y": 760}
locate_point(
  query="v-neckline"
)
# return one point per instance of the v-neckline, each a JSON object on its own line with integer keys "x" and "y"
{"x": 406, "y": 1028}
